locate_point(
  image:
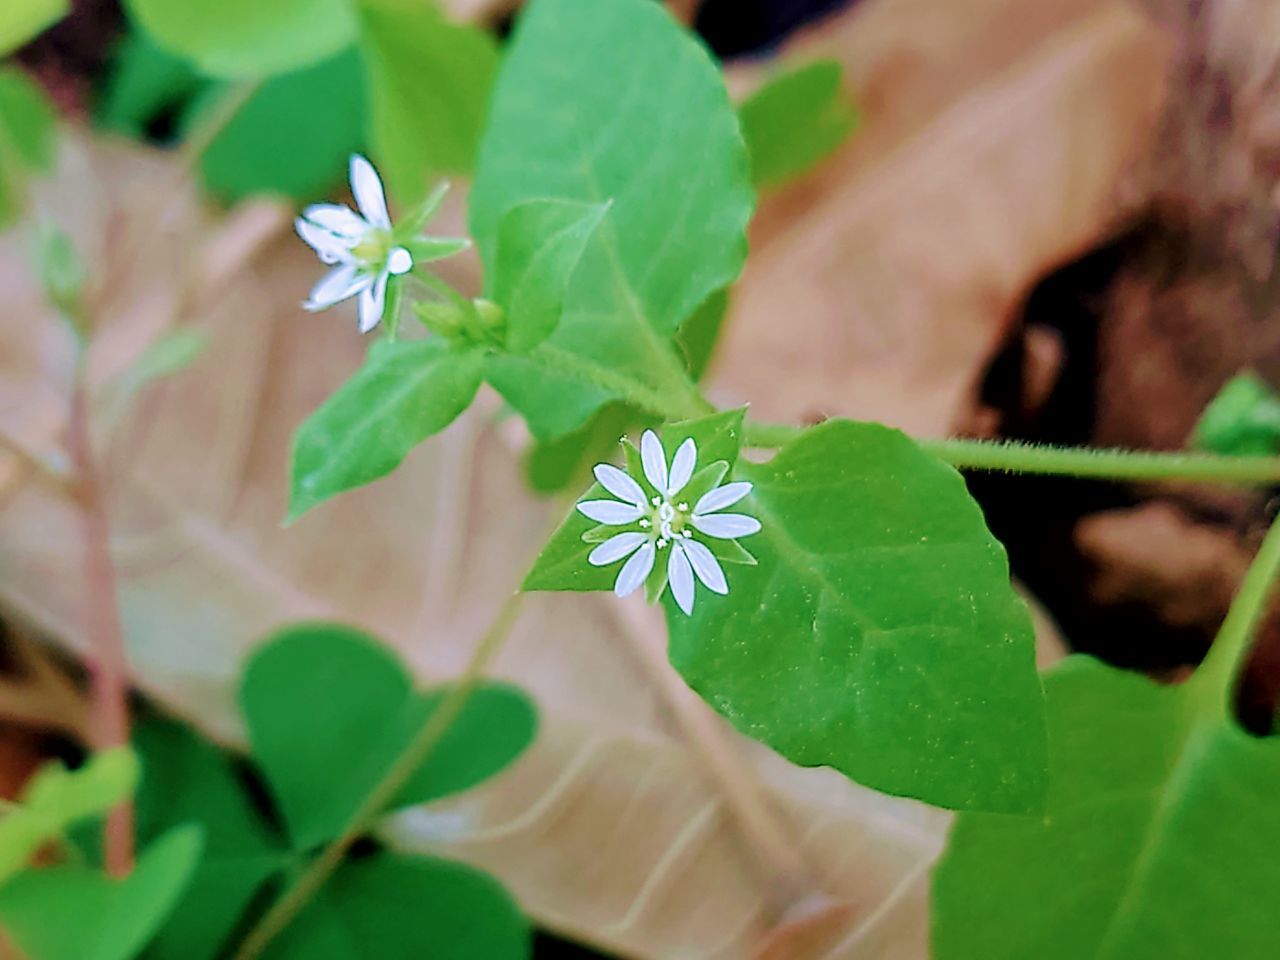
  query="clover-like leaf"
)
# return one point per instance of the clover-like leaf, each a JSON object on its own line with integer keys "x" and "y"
{"x": 1158, "y": 840}
{"x": 329, "y": 709}
{"x": 878, "y": 632}
{"x": 651, "y": 130}
{"x": 405, "y": 392}
{"x": 77, "y": 913}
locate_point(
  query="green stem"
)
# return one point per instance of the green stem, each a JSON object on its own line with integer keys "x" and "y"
{"x": 291, "y": 902}
{"x": 1216, "y": 675}
{"x": 669, "y": 405}
{"x": 1100, "y": 464}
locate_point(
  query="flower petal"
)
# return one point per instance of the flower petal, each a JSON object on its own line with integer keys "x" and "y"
{"x": 635, "y": 570}
{"x": 615, "y": 548}
{"x": 619, "y": 484}
{"x": 367, "y": 187}
{"x": 654, "y": 459}
{"x": 372, "y": 301}
{"x": 338, "y": 219}
{"x": 680, "y": 576}
{"x": 726, "y": 526}
{"x": 706, "y": 566}
{"x": 329, "y": 247}
{"x": 610, "y": 511}
{"x": 399, "y": 261}
{"x": 722, "y": 497}
{"x": 682, "y": 465}
{"x": 335, "y": 286}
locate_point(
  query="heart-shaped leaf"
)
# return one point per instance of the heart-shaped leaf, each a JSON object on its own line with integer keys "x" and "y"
{"x": 329, "y": 709}
{"x": 882, "y": 606}
{"x": 76, "y": 913}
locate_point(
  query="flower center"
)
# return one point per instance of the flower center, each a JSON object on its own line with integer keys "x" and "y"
{"x": 666, "y": 521}
{"x": 372, "y": 250}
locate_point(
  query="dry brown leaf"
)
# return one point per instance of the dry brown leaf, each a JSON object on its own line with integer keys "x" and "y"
{"x": 995, "y": 137}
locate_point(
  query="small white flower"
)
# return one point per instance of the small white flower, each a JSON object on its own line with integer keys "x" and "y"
{"x": 361, "y": 244}
{"x": 664, "y": 521}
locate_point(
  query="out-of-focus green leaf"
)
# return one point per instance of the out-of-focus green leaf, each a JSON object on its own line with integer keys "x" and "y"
{"x": 293, "y": 136}
{"x": 27, "y": 138}
{"x": 429, "y": 84}
{"x": 1242, "y": 420}
{"x": 795, "y": 121}
{"x": 145, "y": 80}
{"x": 248, "y": 38}
{"x": 76, "y": 913}
{"x": 22, "y": 20}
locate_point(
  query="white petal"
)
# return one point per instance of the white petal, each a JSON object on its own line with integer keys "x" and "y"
{"x": 654, "y": 460}
{"x": 722, "y": 497}
{"x": 635, "y": 570}
{"x": 338, "y": 219}
{"x": 372, "y": 300}
{"x": 726, "y": 526}
{"x": 400, "y": 261}
{"x": 335, "y": 286}
{"x": 619, "y": 484}
{"x": 367, "y": 187}
{"x": 682, "y": 466}
{"x": 329, "y": 247}
{"x": 609, "y": 511}
{"x": 680, "y": 576}
{"x": 615, "y": 548}
{"x": 706, "y": 566}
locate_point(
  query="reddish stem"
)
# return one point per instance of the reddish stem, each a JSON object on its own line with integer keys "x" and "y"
{"x": 106, "y": 656}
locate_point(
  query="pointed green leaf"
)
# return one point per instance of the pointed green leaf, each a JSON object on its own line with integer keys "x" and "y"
{"x": 27, "y": 138}
{"x": 603, "y": 100}
{"x": 143, "y": 82}
{"x": 370, "y": 711}
{"x": 1158, "y": 839}
{"x": 883, "y": 604}
{"x": 405, "y": 392}
{"x": 407, "y": 908}
{"x": 248, "y": 38}
{"x": 793, "y": 122}
{"x": 23, "y": 20}
{"x": 75, "y": 913}
{"x": 429, "y": 83}
{"x": 539, "y": 246}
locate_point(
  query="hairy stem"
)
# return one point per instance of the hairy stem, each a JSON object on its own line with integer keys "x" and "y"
{"x": 107, "y": 660}
{"x": 291, "y": 902}
{"x": 1103, "y": 464}
{"x": 667, "y": 405}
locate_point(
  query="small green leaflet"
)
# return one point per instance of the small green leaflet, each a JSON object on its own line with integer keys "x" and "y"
{"x": 144, "y": 80}
{"x": 243, "y": 39}
{"x": 405, "y": 392}
{"x": 76, "y": 913}
{"x": 1243, "y": 420}
{"x": 412, "y": 907}
{"x": 539, "y": 246}
{"x": 1159, "y": 838}
{"x": 27, "y": 138}
{"x": 882, "y": 604}
{"x": 23, "y": 20}
{"x": 793, "y": 122}
{"x": 371, "y": 713}
{"x": 652, "y": 131}
{"x": 429, "y": 84}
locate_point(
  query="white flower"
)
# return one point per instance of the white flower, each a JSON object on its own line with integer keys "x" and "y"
{"x": 361, "y": 244}
{"x": 664, "y": 521}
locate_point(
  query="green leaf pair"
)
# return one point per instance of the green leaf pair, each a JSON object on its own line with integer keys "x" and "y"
{"x": 328, "y": 709}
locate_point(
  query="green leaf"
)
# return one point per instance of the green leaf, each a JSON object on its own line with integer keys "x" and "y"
{"x": 562, "y": 565}
{"x": 143, "y": 81}
{"x": 539, "y": 246}
{"x": 27, "y": 138}
{"x": 23, "y": 20}
{"x": 188, "y": 780}
{"x": 1158, "y": 839}
{"x": 1242, "y": 420}
{"x": 793, "y": 122}
{"x": 75, "y": 913}
{"x": 405, "y": 392}
{"x": 429, "y": 83}
{"x": 573, "y": 118}
{"x": 370, "y": 712}
{"x": 292, "y": 137}
{"x": 248, "y": 38}
{"x": 407, "y": 908}
{"x": 882, "y": 604}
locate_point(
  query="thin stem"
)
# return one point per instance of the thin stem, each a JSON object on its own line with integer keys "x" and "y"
{"x": 1216, "y": 675}
{"x": 107, "y": 659}
{"x": 579, "y": 368}
{"x": 291, "y": 902}
{"x": 1108, "y": 464}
